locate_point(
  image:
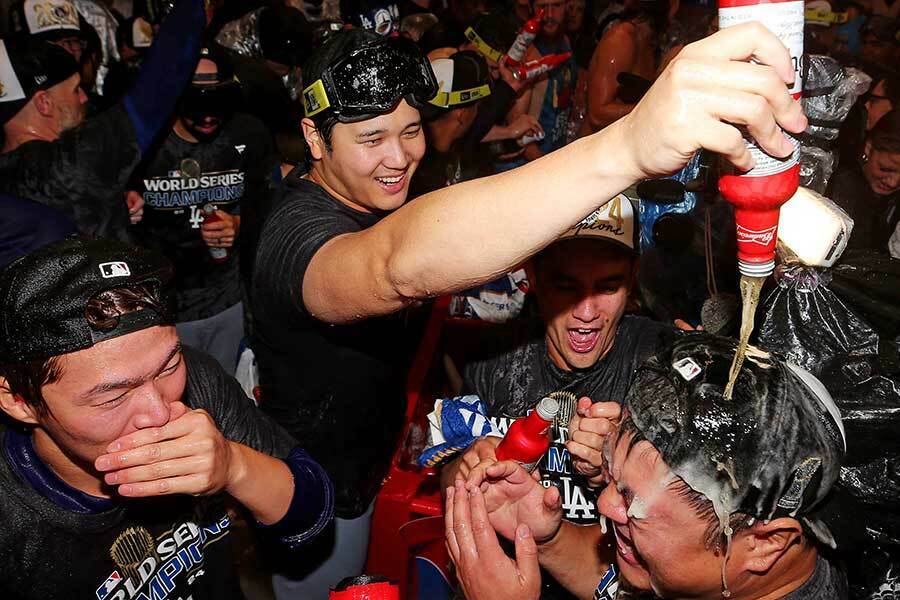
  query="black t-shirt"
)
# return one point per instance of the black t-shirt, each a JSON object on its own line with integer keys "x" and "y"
{"x": 83, "y": 173}
{"x": 518, "y": 373}
{"x": 167, "y": 547}
{"x": 234, "y": 169}
{"x": 339, "y": 389}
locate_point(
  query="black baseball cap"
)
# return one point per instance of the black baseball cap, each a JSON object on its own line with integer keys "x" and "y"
{"x": 28, "y": 65}
{"x": 774, "y": 449}
{"x": 284, "y": 35}
{"x": 463, "y": 78}
{"x": 43, "y": 296}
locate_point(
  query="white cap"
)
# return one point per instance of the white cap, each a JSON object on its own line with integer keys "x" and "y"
{"x": 547, "y": 408}
{"x": 50, "y": 15}
{"x": 612, "y": 222}
{"x": 141, "y": 33}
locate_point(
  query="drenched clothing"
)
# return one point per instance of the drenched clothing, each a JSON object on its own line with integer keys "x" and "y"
{"x": 874, "y": 217}
{"x": 83, "y": 173}
{"x": 164, "y": 547}
{"x": 231, "y": 170}
{"x": 338, "y": 388}
{"x": 519, "y": 372}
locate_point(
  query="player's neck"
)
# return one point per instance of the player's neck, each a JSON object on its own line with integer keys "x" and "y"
{"x": 69, "y": 469}
{"x": 17, "y": 134}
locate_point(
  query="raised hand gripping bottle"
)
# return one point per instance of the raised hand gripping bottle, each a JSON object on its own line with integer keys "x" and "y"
{"x": 539, "y": 66}
{"x": 529, "y": 31}
{"x": 529, "y": 437}
{"x": 219, "y": 255}
{"x": 758, "y": 194}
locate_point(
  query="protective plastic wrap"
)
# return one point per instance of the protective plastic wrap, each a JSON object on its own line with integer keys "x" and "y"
{"x": 820, "y": 319}
{"x": 829, "y": 91}
{"x": 105, "y": 24}
{"x": 242, "y": 36}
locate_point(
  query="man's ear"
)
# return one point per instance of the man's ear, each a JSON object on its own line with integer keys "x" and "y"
{"x": 765, "y": 542}
{"x": 867, "y": 150}
{"x": 313, "y": 138}
{"x": 43, "y": 103}
{"x": 15, "y": 406}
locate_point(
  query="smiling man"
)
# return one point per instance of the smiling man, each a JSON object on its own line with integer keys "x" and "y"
{"x": 707, "y": 498}
{"x": 120, "y": 445}
{"x": 343, "y": 253}
{"x": 583, "y": 345}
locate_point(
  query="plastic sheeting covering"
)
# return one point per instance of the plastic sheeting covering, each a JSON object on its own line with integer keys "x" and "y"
{"x": 105, "y": 24}
{"x": 829, "y": 91}
{"x": 242, "y": 36}
{"x": 840, "y": 325}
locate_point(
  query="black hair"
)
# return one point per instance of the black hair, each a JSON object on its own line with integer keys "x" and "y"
{"x": 336, "y": 46}
{"x": 713, "y": 536}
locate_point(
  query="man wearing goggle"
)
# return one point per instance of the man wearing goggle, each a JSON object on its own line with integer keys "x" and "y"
{"x": 334, "y": 268}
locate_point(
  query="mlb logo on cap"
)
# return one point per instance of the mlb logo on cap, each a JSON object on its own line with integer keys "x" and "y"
{"x": 114, "y": 269}
{"x": 612, "y": 222}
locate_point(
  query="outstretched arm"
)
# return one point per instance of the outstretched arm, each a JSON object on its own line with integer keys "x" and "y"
{"x": 470, "y": 233}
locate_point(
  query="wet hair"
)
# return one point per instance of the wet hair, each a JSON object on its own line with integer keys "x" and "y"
{"x": 102, "y": 312}
{"x": 335, "y": 47}
{"x": 713, "y": 536}
{"x": 885, "y": 135}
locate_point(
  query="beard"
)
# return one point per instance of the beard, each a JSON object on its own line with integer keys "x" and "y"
{"x": 71, "y": 117}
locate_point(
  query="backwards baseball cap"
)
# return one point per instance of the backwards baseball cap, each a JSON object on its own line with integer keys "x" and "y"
{"x": 613, "y": 222}
{"x": 27, "y": 67}
{"x": 773, "y": 450}
{"x": 43, "y": 296}
{"x": 46, "y": 18}
{"x": 357, "y": 75}
{"x": 463, "y": 78}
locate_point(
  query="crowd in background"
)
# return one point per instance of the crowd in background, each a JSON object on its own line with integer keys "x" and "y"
{"x": 196, "y": 160}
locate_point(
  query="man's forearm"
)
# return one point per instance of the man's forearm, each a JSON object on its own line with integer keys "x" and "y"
{"x": 575, "y": 559}
{"x": 261, "y": 483}
{"x": 470, "y": 233}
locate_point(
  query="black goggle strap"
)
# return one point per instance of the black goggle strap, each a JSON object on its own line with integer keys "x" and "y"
{"x": 484, "y": 48}
{"x": 315, "y": 99}
{"x": 448, "y": 99}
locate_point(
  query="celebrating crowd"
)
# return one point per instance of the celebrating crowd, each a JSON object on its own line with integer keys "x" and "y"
{"x": 223, "y": 225}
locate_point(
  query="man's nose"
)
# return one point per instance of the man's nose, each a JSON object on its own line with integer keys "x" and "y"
{"x": 153, "y": 410}
{"x": 611, "y": 504}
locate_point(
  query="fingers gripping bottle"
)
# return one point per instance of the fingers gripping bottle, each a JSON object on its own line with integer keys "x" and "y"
{"x": 758, "y": 194}
{"x": 218, "y": 255}
{"x": 529, "y": 437}
{"x": 544, "y": 64}
{"x": 529, "y": 31}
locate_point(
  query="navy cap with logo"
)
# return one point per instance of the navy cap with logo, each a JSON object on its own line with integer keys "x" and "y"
{"x": 27, "y": 67}
{"x": 43, "y": 296}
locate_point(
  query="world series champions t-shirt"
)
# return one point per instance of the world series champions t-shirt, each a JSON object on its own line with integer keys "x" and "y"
{"x": 164, "y": 548}
{"x": 177, "y": 180}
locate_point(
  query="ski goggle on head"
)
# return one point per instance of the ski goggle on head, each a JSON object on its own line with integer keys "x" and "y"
{"x": 371, "y": 80}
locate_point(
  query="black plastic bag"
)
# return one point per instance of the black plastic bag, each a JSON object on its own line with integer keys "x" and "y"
{"x": 819, "y": 319}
